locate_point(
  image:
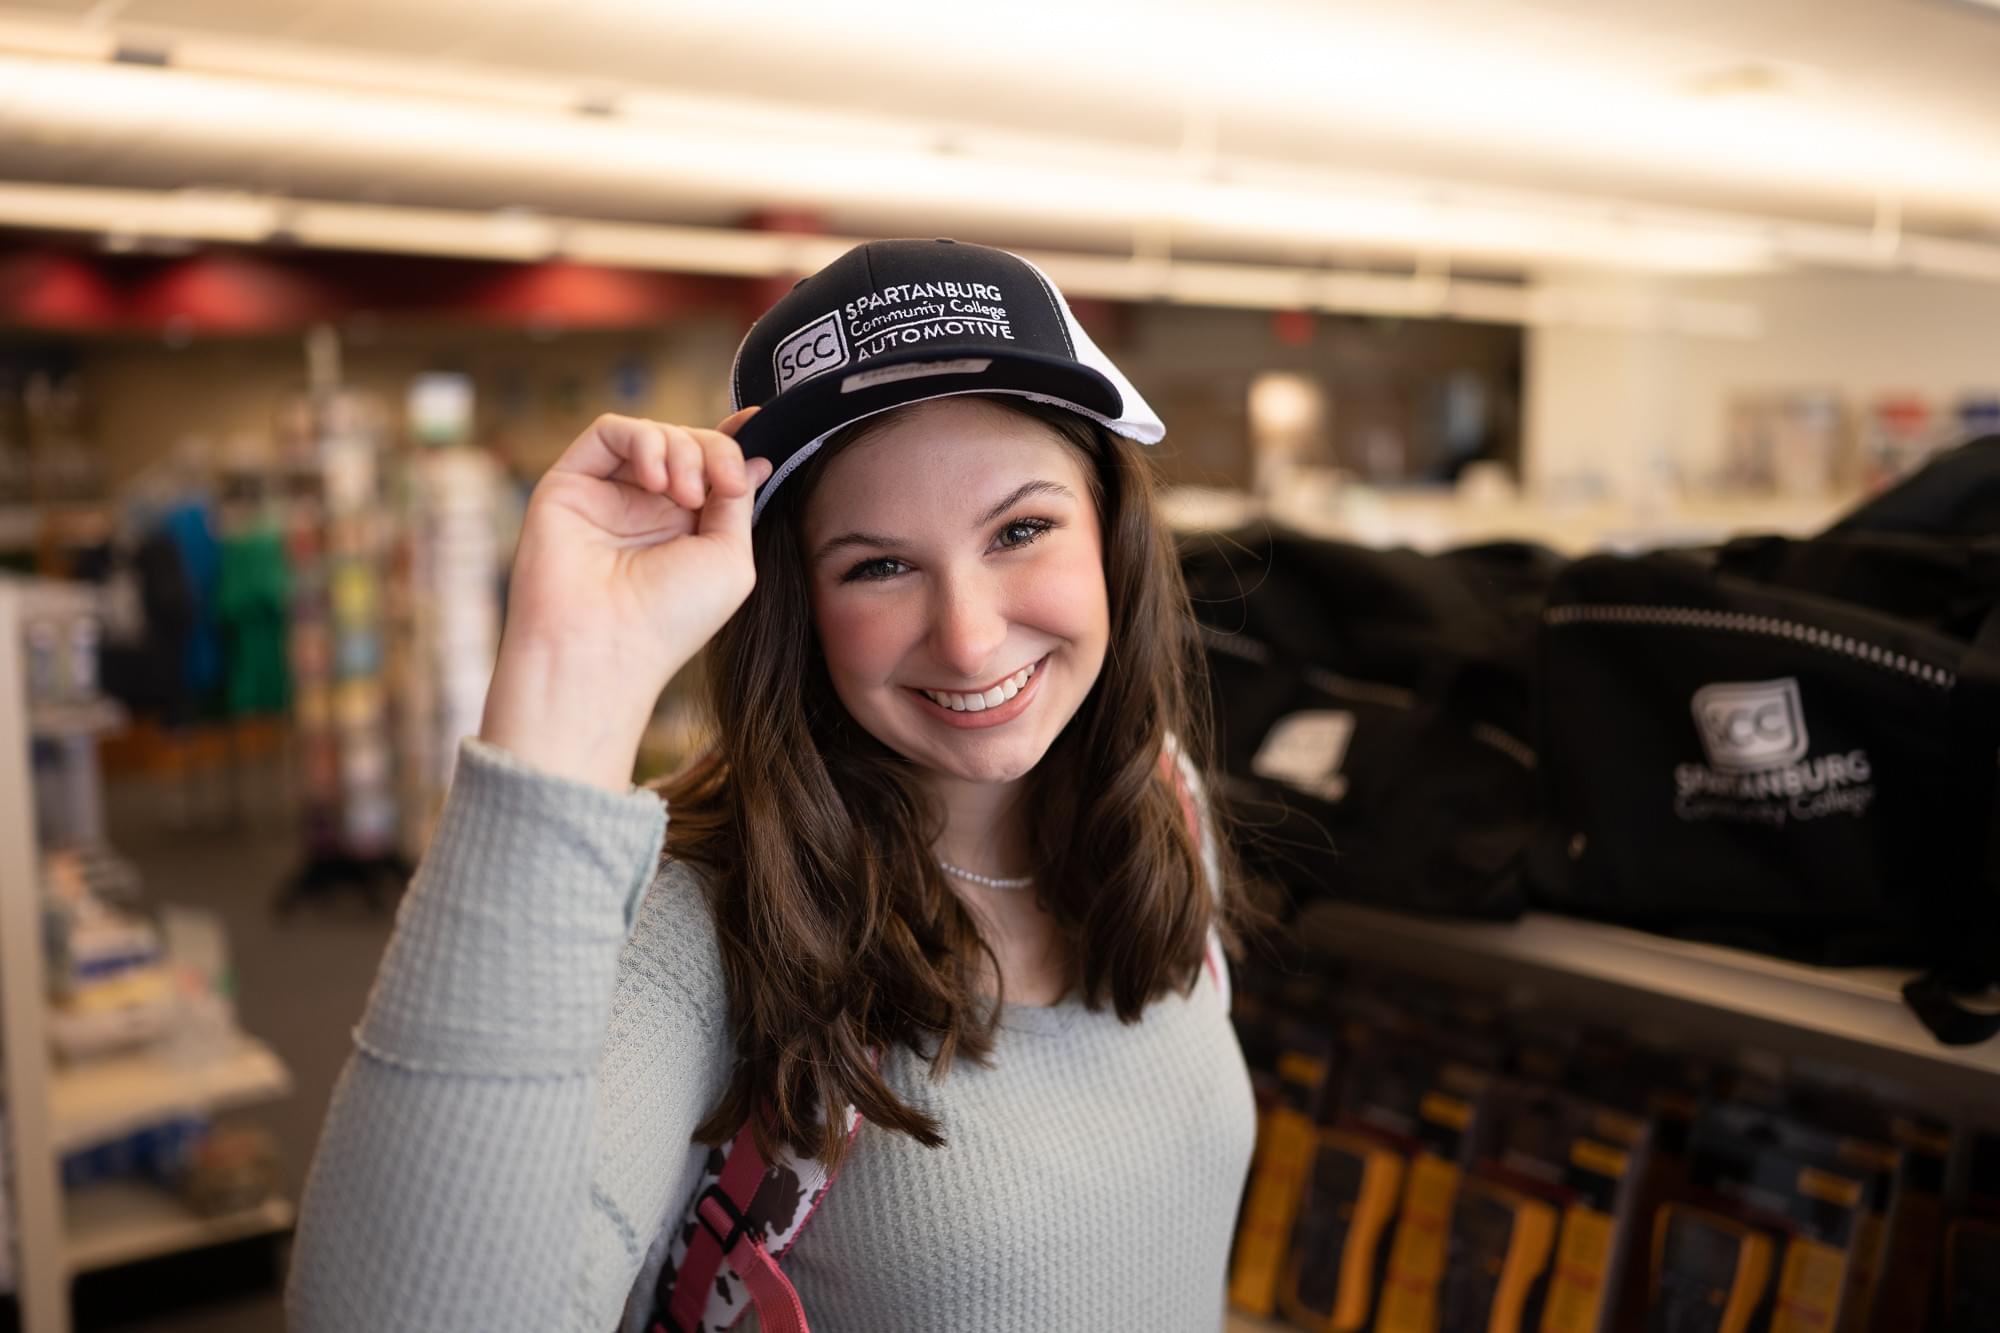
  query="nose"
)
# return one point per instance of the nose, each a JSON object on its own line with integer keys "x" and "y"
{"x": 968, "y": 624}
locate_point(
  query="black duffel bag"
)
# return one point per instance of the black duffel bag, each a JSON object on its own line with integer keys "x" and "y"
{"x": 1372, "y": 713}
{"x": 1791, "y": 745}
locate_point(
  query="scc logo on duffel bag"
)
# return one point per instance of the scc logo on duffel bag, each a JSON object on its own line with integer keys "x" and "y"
{"x": 1751, "y": 724}
{"x": 1757, "y": 772}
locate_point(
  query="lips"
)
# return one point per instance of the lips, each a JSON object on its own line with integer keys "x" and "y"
{"x": 986, "y": 715}
{"x": 978, "y": 701}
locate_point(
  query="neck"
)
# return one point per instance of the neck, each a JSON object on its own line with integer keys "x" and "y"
{"x": 983, "y": 829}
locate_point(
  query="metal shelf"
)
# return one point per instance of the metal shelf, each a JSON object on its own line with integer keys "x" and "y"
{"x": 1852, "y": 1014}
{"x": 22, "y": 525}
{"x": 57, "y": 721}
{"x": 1235, "y": 1321}
{"x": 123, "y": 1223}
{"x": 95, "y": 1102}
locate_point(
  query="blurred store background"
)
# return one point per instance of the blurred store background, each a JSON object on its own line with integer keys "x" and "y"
{"x": 297, "y": 299}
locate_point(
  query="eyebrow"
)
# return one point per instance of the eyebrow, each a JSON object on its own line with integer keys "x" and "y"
{"x": 1014, "y": 497}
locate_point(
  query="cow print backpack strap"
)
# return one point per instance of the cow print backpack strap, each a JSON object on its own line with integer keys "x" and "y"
{"x": 724, "y": 1256}
{"x": 1175, "y": 764}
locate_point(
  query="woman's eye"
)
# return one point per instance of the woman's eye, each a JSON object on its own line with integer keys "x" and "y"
{"x": 869, "y": 571}
{"x": 1011, "y": 537}
{"x": 1022, "y": 531}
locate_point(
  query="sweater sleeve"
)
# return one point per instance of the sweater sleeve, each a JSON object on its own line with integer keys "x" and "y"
{"x": 547, "y": 1028}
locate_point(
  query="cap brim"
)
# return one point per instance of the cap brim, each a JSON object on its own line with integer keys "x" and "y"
{"x": 792, "y": 426}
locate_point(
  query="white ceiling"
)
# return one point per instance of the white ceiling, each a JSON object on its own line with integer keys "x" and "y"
{"x": 1845, "y": 111}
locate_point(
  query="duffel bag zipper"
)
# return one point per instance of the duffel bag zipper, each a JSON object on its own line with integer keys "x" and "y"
{"x": 1743, "y": 622}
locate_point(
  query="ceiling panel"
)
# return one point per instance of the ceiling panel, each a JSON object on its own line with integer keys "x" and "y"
{"x": 433, "y": 29}
{"x": 243, "y": 18}
{"x": 1462, "y": 108}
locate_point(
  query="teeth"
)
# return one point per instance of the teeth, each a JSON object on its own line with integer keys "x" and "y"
{"x": 993, "y": 698}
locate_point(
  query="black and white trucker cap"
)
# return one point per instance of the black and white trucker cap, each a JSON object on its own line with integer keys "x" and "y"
{"x": 896, "y": 322}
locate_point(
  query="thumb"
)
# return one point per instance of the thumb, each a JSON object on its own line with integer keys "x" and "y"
{"x": 729, "y": 515}
{"x": 732, "y": 423}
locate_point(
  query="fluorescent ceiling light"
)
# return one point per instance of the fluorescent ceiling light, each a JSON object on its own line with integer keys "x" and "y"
{"x": 708, "y": 151}
{"x": 1583, "y": 91}
{"x": 769, "y": 254}
{"x": 1104, "y": 192}
{"x": 1493, "y": 79}
{"x": 427, "y": 231}
{"x": 177, "y": 214}
{"x": 743, "y": 254}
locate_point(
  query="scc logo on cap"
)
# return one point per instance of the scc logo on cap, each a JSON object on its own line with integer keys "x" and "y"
{"x": 815, "y": 349}
{"x": 1751, "y": 724}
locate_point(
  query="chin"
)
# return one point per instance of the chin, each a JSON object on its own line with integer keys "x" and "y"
{"x": 1006, "y": 764}
{"x": 968, "y": 758}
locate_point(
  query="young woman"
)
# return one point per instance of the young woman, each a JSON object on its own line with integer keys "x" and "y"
{"x": 941, "y": 907}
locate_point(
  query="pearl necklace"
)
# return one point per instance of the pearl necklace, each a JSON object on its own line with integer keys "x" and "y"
{"x": 990, "y": 881}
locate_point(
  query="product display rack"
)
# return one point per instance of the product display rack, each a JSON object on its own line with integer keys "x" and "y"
{"x": 1238, "y": 1322}
{"x": 1571, "y": 1078}
{"x": 444, "y": 595}
{"x": 52, "y": 1109}
{"x": 1854, "y": 1016}
{"x": 118, "y": 1223}
{"x": 337, "y": 540}
{"x": 108, "y": 1097}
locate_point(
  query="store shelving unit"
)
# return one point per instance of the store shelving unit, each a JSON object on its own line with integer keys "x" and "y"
{"x": 25, "y": 528}
{"x": 104, "y": 1099}
{"x": 1852, "y": 1015}
{"x": 1691, "y": 994}
{"x": 62, "y": 721}
{"x": 54, "y": 1109}
{"x": 1238, "y": 1322}
{"x": 107, "y": 1225}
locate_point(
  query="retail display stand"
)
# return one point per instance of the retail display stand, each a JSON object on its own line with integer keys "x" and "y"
{"x": 52, "y": 1109}
{"x": 337, "y": 545}
{"x": 1854, "y": 1015}
{"x": 451, "y": 631}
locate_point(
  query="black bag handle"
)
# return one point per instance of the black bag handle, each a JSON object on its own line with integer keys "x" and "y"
{"x": 1934, "y": 996}
{"x": 1976, "y": 715}
{"x": 1956, "y": 493}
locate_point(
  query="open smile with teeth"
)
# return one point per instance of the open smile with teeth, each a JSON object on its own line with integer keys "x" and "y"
{"x": 989, "y": 698}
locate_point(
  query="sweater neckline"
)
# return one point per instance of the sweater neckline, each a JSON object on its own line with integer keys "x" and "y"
{"x": 1045, "y": 1019}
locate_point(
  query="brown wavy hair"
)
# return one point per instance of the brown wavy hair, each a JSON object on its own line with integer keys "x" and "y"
{"x": 839, "y": 935}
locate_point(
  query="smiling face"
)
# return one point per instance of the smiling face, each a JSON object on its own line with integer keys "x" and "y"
{"x": 956, "y": 565}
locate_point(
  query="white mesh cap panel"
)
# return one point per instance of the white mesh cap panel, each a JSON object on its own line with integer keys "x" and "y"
{"x": 1139, "y": 421}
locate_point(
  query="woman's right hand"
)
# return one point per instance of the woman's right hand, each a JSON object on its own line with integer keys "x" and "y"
{"x": 634, "y": 551}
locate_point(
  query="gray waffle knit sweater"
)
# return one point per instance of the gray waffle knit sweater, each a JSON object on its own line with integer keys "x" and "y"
{"x": 509, "y": 1143}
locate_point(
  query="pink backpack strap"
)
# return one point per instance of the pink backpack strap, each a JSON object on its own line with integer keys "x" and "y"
{"x": 746, "y": 1213}
{"x": 1175, "y": 764}
{"x": 724, "y": 1234}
